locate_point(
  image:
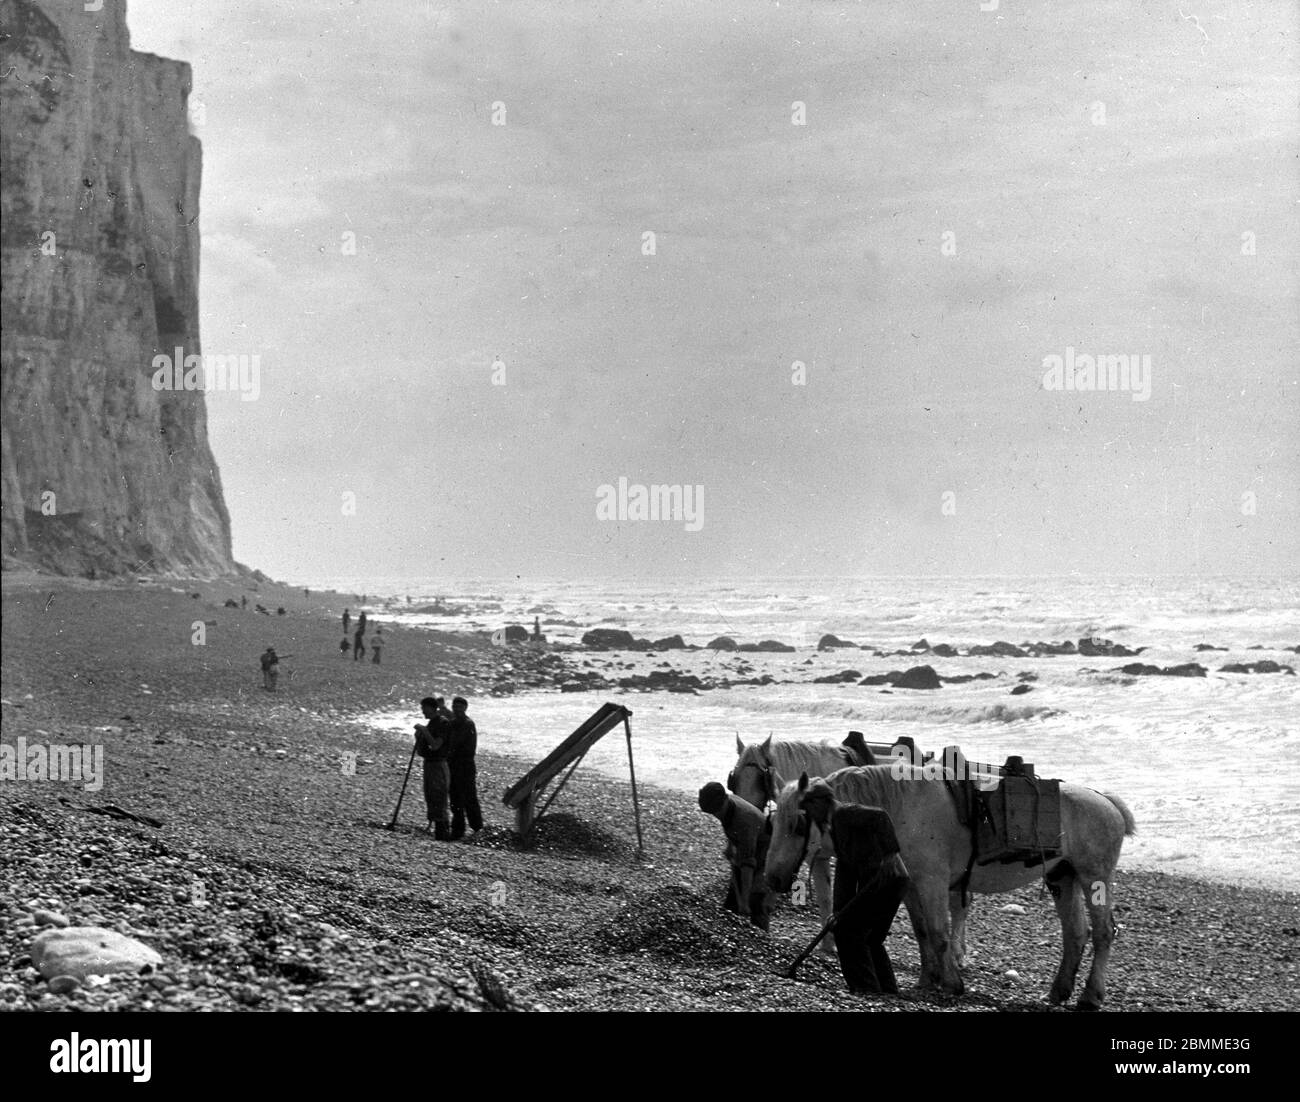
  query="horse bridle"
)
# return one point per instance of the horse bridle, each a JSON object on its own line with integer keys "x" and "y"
{"x": 803, "y": 828}
{"x": 768, "y": 784}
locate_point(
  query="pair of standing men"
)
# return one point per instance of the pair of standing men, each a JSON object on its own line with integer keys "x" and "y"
{"x": 448, "y": 743}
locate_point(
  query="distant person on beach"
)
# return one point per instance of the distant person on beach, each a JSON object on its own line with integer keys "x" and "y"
{"x": 432, "y": 743}
{"x": 347, "y": 619}
{"x": 344, "y": 647}
{"x": 464, "y": 771}
{"x": 361, "y": 622}
{"x": 358, "y": 645}
{"x": 243, "y": 601}
{"x": 748, "y": 834}
{"x": 269, "y": 671}
{"x": 870, "y": 881}
{"x": 377, "y": 645}
{"x": 537, "y": 627}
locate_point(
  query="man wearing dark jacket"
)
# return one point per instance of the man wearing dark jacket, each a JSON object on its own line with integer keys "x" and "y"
{"x": 464, "y": 771}
{"x": 432, "y": 743}
{"x": 870, "y": 881}
{"x": 748, "y": 834}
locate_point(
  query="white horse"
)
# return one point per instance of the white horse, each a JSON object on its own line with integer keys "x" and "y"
{"x": 761, "y": 771}
{"x": 936, "y": 847}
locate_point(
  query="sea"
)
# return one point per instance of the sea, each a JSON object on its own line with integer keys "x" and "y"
{"x": 1210, "y": 766}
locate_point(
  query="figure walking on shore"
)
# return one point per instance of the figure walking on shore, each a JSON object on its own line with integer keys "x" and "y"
{"x": 464, "y": 771}
{"x": 358, "y": 645}
{"x": 269, "y": 671}
{"x": 347, "y": 619}
{"x": 432, "y": 744}
{"x": 377, "y": 645}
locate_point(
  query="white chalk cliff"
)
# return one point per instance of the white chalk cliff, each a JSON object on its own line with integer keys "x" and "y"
{"x": 99, "y": 189}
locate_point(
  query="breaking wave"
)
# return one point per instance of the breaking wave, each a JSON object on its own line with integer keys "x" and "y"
{"x": 908, "y": 713}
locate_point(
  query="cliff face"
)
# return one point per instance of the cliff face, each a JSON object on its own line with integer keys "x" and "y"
{"x": 99, "y": 186}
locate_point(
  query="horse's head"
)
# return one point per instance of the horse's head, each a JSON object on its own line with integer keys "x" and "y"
{"x": 795, "y": 835}
{"x": 754, "y": 778}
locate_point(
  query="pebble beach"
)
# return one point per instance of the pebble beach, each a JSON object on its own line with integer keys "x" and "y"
{"x": 271, "y": 882}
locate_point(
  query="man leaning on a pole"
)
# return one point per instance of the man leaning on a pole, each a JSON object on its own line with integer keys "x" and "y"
{"x": 433, "y": 744}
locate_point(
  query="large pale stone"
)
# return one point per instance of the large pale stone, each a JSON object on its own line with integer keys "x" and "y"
{"x": 81, "y": 951}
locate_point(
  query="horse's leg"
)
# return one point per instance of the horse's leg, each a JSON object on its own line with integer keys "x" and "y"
{"x": 957, "y": 907}
{"x": 929, "y": 972}
{"x": 1066, "y": 890}
{"x": 932, "y": 898}
{"x": 821, "y": 881}
{"x": 1097, "y": 898}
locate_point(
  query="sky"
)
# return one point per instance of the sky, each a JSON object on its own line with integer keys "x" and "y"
{"x": 874, "y": 224}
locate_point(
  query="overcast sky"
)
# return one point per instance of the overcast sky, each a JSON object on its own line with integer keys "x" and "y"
{"x": 1098, "y": 168}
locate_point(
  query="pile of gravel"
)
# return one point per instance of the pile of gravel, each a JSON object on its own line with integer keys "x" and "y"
{"x": 679, "y": 925}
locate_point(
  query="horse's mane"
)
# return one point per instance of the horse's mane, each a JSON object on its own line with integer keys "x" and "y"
{"x": 872, "y": 785}
{"x": 790, "y": 757}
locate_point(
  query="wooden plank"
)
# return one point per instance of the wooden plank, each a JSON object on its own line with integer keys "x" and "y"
{"x": 558, "y": 788}
{"x": 605, "y": 718}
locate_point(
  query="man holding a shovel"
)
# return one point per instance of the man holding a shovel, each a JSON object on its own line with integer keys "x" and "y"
{"x": 870, "y": 881}
{"x": 433, "y": 744}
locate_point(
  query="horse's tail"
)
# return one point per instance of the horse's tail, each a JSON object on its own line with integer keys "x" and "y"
{"x": 1130, "y": 824}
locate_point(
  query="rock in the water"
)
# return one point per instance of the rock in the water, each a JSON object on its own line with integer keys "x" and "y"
{"x": 516, "y": 633}
{"x": 998, "y": 649}
{"x": 673, "y": 642}
{"x": 830, "y": 642}
{"x": 880, "y": 678}
{"x": 944, "y": 650}
{"x": 1021, "y": 689}
{"x": 81, "y": 951}
{"x": 722, "y": 642}
{"x": 608, "y": 639}
{"x": 918, "y": 677}
{"x": 838, "y": 678}
{"x": 1267, "y": 666}
{"x": 1141, "y": 669}
{"x": 1207, "y": 646}
{"x": 1093, "y": 648}
{"x": 767, "y": 646}
{"x": 1052, "y": 648}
